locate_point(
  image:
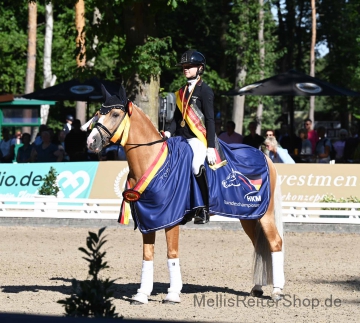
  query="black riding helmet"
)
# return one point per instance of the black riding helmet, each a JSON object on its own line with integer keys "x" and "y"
{"x": 192, "y": 56}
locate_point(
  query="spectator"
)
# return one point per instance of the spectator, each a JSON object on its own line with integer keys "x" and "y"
{"x": 230, "y": 136}
{"x": 339, "y": 145}
{"x": 323, "y": 147}
{"x": 7, "y": 147}
{"x": 253, "y": 139}
{"x": 288, "y": 140}
{"x": 276, "y": 153}
{"x": 311, "y": 134}
{"x": 46, "y": 152}
{"x": 270, "y": 133}
{"x": 68, "y": 125}
{"x": 60, "y": 142}
{"x": 17, "y": 138}
{"x": 24, "y": 152}
{"x": 113, "y": 152}
{"x": 218, "y": 127}
{"x": 350, "y": 144}
{"x": 38, "y": 140}
{"x": 306, "y": 147}
{"x": 75, "y": 143}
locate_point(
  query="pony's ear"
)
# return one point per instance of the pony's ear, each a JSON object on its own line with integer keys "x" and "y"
{"x": 129, "y": 108}
{"x": 105, "y": 93}
{"x": 122, "y": 95}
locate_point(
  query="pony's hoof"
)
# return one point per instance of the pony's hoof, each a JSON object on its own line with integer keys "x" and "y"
{"x": 256, "y": 292}
{"x": 164, "y": 301}
{"x": 139, "y": 299}
{"x": 172, "y": 298}
{"x": 277, "y": 296}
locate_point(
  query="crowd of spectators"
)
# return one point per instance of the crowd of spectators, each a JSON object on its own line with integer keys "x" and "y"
{"x": 69, "y": 144}
{"x": 309, "y": 145}
{"x": 65, "y": 145}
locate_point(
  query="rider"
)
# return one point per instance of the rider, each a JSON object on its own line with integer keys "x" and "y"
{"x": 194, "y": 120}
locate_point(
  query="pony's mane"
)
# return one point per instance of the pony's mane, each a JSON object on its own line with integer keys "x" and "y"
{"x": 152, "y": 122}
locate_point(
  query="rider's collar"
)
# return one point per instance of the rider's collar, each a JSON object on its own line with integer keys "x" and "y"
{"x": 192, "y": 83}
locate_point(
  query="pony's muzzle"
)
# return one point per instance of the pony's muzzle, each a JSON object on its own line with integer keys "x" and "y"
{"x": 94, "y": 143}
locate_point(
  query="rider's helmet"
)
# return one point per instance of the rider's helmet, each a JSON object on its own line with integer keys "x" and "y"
{"x": 192, "y": 56}
{"x": 69, "y": 117}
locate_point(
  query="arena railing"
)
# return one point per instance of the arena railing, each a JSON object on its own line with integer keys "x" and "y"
{"x": 86, "y": 208}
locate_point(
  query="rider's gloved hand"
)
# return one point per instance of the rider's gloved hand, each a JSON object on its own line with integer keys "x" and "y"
{"x": 167, "y": 134}
{"x": 211, "y": 156}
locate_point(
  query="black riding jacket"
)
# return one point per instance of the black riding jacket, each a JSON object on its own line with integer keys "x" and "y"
{"x": 203, "y": 98}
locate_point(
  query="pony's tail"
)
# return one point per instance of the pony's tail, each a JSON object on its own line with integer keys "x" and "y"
{"x": 262, "y": 263}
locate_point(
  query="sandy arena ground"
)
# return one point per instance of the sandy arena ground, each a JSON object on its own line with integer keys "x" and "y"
{"x": 321, "y": 270}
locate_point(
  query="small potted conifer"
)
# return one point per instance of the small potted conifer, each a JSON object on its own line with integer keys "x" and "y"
{"x": 49, "y": 190}
{"x": 49, "y": 186}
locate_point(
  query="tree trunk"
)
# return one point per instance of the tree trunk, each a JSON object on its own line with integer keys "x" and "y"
{"x": 49, "y": 78}
{"x": 96, "y": 21}
{"x": 147, "y": 98}
{"x": 239, "y": 101}
{"x": 31, "y": 57}
{"x": 80, "y": 52}
{"x": 259, "y": 111}
{"x": 80, "y": 37}
{"x": 139, "y": 24}
{"x": 312, "y": 57}
{"x": 224, "y": 111}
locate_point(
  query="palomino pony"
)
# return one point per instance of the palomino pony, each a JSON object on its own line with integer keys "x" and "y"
{"x": 152, "y": 160}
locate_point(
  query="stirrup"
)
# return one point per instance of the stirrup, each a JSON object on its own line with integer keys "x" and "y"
{"x": 202, "y": 216}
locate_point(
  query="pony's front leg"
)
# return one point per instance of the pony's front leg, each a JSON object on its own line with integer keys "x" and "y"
{"x": 172, "y": 240}
{"x": 147, "y": 272}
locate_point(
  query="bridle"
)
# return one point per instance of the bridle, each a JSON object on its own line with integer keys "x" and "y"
{"x": 121, "y": 133}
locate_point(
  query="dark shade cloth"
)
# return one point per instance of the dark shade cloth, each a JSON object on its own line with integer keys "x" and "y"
{"x": 292, "y": 83}
{"x": 75, "y": 90}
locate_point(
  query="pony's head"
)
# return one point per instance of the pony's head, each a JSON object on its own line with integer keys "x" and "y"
{"x": 111, "y": 122}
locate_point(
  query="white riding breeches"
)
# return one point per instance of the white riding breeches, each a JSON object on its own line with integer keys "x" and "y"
{"x": 199, "y": 151}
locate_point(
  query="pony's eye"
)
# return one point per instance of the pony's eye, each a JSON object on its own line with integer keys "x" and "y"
{"x": 116, "y": 115}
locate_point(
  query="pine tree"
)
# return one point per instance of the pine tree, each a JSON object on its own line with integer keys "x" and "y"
{"x": 49, "y": 186}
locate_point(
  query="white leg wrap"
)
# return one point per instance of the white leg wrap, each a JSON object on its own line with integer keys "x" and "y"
{"x": 147, "y": 282}
{"x": 175, "y": 281}
{"x": 278, "y": 269}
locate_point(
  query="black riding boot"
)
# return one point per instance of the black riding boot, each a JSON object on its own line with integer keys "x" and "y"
{"x": 202, "y": 215}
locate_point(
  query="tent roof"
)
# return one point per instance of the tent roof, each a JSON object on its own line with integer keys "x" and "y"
{"x": 292, "y": 83}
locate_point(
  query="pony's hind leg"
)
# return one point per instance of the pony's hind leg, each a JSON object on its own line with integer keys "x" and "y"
{"x": 172, "y": 240}
{"x": 147, "y": 271}
{"x": 250, "y": 227}
{"x": 269, "y": 256}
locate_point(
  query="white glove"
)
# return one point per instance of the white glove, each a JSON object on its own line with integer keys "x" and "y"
{"x": 167, "y": 134}
{"x": 211, "y": 156}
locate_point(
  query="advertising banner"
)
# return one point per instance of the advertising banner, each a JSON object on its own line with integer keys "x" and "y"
{"x": 110, "y": 180}
{"x": 23, "y": 180}
{"x": 310, "y": 182}
{"x": 299, "y": 182}
{"x": 106, "y": 180}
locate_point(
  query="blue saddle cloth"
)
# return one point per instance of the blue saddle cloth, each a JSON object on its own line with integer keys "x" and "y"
{"x": 240, "y": 189}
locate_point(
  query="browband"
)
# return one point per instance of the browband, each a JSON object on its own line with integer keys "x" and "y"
{"x": 106, "y": 109}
